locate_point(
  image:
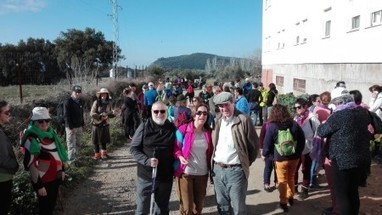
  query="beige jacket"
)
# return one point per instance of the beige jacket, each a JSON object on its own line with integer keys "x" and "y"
{"x": 244, "y": 136}
{"x": 98, "y": 116}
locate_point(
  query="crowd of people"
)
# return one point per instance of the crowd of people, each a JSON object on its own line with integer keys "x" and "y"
{"x": 209, "y": 137}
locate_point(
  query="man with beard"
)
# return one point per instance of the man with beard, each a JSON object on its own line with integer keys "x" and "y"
{"x": 152, "y": 146}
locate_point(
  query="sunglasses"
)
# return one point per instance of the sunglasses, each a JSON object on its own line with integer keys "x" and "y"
{"x": 194, "y": 100}
{"x": 6, "y": 113}
{"x": 43, "y": 120}
{"x": 297, "y": 107}
{"x": 159, "y": 111}
{"x": 201, "y": 112}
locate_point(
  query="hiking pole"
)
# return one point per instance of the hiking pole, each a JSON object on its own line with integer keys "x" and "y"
{"x": 153, "y": 176}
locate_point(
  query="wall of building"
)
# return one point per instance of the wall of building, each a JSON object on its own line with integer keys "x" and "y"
{"x": 298, "y": 45}
{"x": 323, "y": 77}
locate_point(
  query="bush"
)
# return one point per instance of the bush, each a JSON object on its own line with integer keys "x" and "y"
{"x": 24, "y": 197}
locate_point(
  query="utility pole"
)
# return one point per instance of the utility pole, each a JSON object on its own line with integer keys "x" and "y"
{"x": 114, "y": 17}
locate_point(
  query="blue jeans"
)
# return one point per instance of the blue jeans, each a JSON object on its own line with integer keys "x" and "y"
{"x": 230, "y": 190}
{"x": 313, "y": 172}
{"x": 268, "y": 167}
{"x": 162, "y": 197}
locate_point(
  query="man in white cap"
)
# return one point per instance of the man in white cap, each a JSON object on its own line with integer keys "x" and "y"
{"x": 236, "y": 146}
{"x": 74, "y": 122}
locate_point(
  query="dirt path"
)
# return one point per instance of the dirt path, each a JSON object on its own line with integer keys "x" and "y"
{"x": 111, "y": 190}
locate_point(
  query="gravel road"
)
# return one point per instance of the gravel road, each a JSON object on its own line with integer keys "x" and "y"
{"x": 111, "y": 190}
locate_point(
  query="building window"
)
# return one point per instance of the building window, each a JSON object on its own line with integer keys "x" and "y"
{"x": 327, "y": 28}
{"x": 376, "y": 18}
{"x": 280, "y": 81}
{"x": 299, "y": 85}
{"x": 355, "y": 22}
{"x": 304, "y": 31}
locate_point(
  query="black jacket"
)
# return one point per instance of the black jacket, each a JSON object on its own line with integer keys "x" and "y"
{"x": 349, "y": 137}
{"x": 151, "y": 137}
{"x": 74, "y": 113}
{"x": 254, "y": 96}
{"x": 8, "y": 161}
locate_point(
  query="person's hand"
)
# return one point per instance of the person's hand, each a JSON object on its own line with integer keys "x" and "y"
{"x": 154, "y": 162}
{"x": 42, "y": 191}
{"x": 263, "y": 158}
{"x": 183, "y": 160}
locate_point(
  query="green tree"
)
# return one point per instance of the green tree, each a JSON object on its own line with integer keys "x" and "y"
{"x": 84, "y": 52}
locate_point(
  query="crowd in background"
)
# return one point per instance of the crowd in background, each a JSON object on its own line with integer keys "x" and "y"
{"x": 211, "y": 136}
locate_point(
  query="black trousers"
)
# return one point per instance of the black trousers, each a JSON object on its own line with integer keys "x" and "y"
{"x": 46, "y": 204}
{"x": 5, "y": 196}
{"x": 346, "y": 189}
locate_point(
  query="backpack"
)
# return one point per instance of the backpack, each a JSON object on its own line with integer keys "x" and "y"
{"x": 286, "y": 145}
{"x": 181, "y": 117}
{"x": 60, "y": 112}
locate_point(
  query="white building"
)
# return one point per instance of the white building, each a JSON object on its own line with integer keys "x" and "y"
{"x": 309, "y": 45}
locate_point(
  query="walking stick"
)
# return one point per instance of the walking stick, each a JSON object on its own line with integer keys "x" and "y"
{"x": 153, "y": 176}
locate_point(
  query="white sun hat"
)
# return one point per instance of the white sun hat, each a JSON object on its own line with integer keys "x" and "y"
{"x": 39, "y": 113}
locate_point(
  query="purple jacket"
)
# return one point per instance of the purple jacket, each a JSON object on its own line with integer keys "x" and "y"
{"x": 185, "y": 137}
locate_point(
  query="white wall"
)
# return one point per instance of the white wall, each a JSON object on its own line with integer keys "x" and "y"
{"x": 280, "y": 18}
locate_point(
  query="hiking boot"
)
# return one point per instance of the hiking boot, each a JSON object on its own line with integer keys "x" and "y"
{"x": 267, "y": 188}
{"x": 303, "y": 194}
{"x": 104, "y": 154}
{"x": 97, "y": 156}
{"x": 284, "y": 207}
{"x": 291, "y": 201}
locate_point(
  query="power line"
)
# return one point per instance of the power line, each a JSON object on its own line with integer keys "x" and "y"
{"x": 114, "y": 16}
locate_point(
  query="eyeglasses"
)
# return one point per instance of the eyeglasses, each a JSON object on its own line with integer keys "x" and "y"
{"x": 194, "y": 100}
{"x": 159, "y": 111}
{"x": 43, "y": 120}
{"x": 201, "y": 112}
{"x": 297, "y": 107}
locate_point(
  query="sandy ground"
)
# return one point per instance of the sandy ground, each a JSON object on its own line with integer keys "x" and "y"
{"x": 111, "y": 190}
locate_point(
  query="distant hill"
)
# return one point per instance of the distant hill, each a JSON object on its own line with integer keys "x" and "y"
{"x": 192, "y": 61}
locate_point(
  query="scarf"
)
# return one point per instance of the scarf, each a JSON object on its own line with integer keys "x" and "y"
{"x": 349, "y": 105}
{"x": 300, "y": 119}
{"x": 34, "y": 131}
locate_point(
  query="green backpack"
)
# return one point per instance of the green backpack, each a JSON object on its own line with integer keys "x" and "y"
{"x": 285, "y": 145}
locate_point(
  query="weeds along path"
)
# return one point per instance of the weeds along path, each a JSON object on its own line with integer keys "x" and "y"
{"x": 111, "y": 190}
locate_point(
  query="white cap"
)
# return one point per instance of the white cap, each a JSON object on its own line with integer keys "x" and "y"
{"x": 338, "y": 92}
{"x": 40, "y": 113}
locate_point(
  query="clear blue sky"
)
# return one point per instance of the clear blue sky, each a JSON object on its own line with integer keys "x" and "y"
{"x": 148, "y": 29}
